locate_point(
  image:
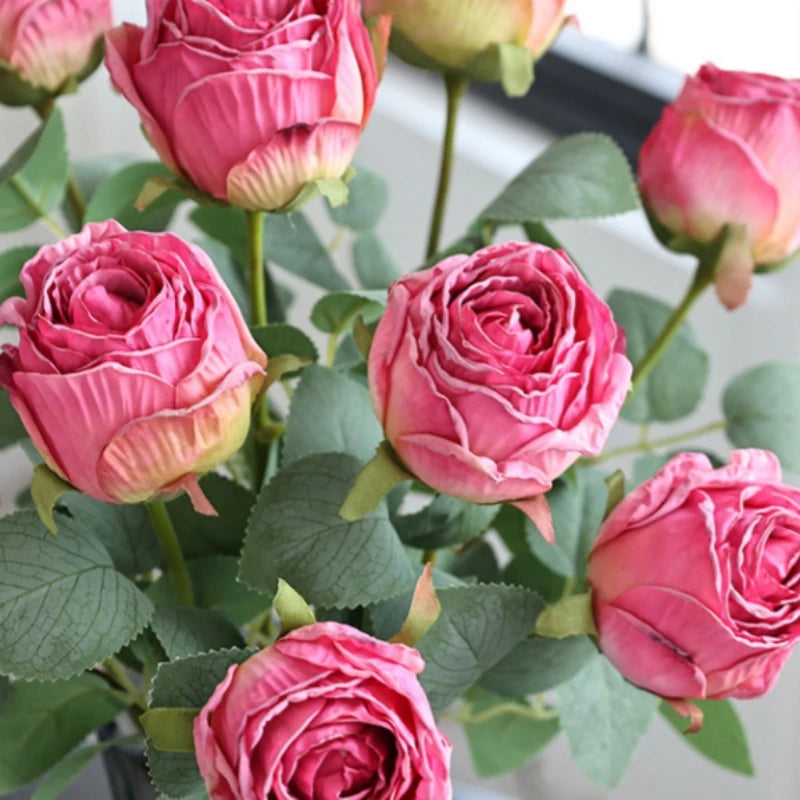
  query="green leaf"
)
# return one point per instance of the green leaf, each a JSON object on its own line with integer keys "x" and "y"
{"x": 479, "y": 625}
{"x": 581, "y": 176}
{"x": 46, "y": 488}
{"x": 296, "y": 533}
{"x": 11, "y": 427}
{"x": 226, "y": 225}
{"x": 676, "y": 385}
{"x": 124, "y": 530}
{"x": 722, "y": 738}
{"x": 511, "y": 64}
{"x": 366, "y": 204}
{"x": 170, "y": 729}
{"x": 525, "y": 569}
{"x": 380, "y": 475}
{"x": 63, "y": 605}
{"x": 279, "y": 339}
{"x": 32, "y": 181}
{"x": 291, "y": 242}
{"x": 570, "y": 616}
{"x": 291, "y": 608}
{"x": 762, "y": 409}
{"x": 215, "y": 584}
{"x": 538, "y": 664}
{"x": 336, "y": 312}
{"x": 501, "y": 740}
{"x": 477, "y": 561}
{"x": 116, "y": 195}
{"x": 425, "y": 609}
{"x": 604, "y": 718}
{"x": 68, "y": 769}
{"x": 577, "y": 503}
{"x": 201, "y": 535}
{"x": 11, "y": 263}
{"x": 330, "y": 414}
{"x": 41, "y": 722}
{"x": 373, "y": 263}
{"x": 186, "y": 683}
{"x": 186, "y": 631}
{"x": 230, "y": 271}
{"x": 445, "y": 521}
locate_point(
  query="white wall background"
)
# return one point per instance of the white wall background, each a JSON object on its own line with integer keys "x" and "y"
{"x": 401, "y": 143}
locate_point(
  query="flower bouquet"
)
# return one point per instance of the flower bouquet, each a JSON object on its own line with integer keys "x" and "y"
{"x": 278, "y": 570}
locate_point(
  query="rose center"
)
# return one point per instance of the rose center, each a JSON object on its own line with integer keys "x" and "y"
{"x": 112, "y": 300}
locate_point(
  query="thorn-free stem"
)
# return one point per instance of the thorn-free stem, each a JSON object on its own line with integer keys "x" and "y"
{"x": 171, "y": 548}
{"x": 256, "y": 269}
{"x": 456, "y": 85}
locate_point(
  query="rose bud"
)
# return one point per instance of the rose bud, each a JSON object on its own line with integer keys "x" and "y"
{"x": 727, "y": 151}
{"x": 44, "y": 46}
{"x": 454, "y": 35}
{"x": 260, "y": 101}
{"x": 326, "y": 712}
{"x": 492, "y": 373}
{"x": 696, "y": 578}
{"x": 135, "y": 371}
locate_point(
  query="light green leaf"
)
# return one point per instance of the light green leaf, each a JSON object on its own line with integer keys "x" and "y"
{"x": 722, "y": 738}
{"x": 11, "y": 263}
{"x": 116, "y": 195}
{"x": 170, "y": 729}
{"x": 296, "y": 533}
{"x": 676, "y": 385}
{"x": 537, "y": 664}
{"x": 366, "y": 204}
{"x": 32, "y": 181}
{"x": 46, "y": 488}
{"x": 604, "y": 718}
{"x": 580, "y": 176}
{"x": 41, "y": 722}
{"x": 330, "y": 414}
{"x": 291, "y": 242}
{"x": 280, "y": 339}
{"x": 63, "y": 605}
{"x": 511, "y": 64}
{"x": 186, "y": 631}
{"x": 578, "y": 503}
{"x": 762, "y": 409}
{"x": 291, "y": 608}
{"x": 186, "y": 683}
{"x": 570, "y": 616}
{"x": 502, "y": 740}
{"x": 336, "y": 312}
{"x": 478, "y": 626}
{"x": 373, "y": 263}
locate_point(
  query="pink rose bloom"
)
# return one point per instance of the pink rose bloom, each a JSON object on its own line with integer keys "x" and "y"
{"x": 728, "y": 151}
{"x": 453, "y": 32}
{"x": 492, "y": 373}
{"x": 249, "y": 99}
{"x": 326, "y": 713}
{"x": 696, "y": 578}
{"x": 135, "y": 371}
{"x": 49, "y": 41}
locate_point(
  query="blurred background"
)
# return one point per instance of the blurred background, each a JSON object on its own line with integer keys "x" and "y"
{"x": 613, "y": 74}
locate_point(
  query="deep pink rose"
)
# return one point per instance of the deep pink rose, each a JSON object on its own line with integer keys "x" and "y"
{"x": 492, "y": 373}
{"x": 696, "y": 578}
{"x": 728, "y": 151}
{"x": 135, "y": 371}
{"x": 249, "y": 99}
{"x": 326, "y": 713}
{"x": 49, "y": 41}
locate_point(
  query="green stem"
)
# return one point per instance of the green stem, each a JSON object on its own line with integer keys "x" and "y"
{"x": 658, "y": 444}
{"x": 508, "y": 708}
{"x": 456, "y": 86}
{"x": 171, "y": 548}
{"x": 258, "y": 284}
{"x": 657, "y": 349}
{"x": 116, "y": 672}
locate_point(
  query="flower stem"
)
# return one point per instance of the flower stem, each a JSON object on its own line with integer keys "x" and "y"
{"x": 701, "y": 281}
{"x": 170, "y": 547}
{"x": 658, "y": 444}
{"x": 258, "y": 285}
{"x": 456, "y": 86}
{"x": 118, "y": 676}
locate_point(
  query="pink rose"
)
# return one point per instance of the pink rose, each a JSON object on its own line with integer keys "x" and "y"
{"x": 728, "y": 151}
{"x": 49, "y": 41}
{"x": 249, "y": 100}
{"x": 327, "y": 712}
{"x": 453, "y": 32}
{"x": 696, "y": 578}
{"x": 135, "y": 371}
{"x": 492, "y": 373}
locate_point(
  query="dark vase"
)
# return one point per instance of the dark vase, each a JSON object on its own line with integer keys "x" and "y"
{"x": 126, "y": 769}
